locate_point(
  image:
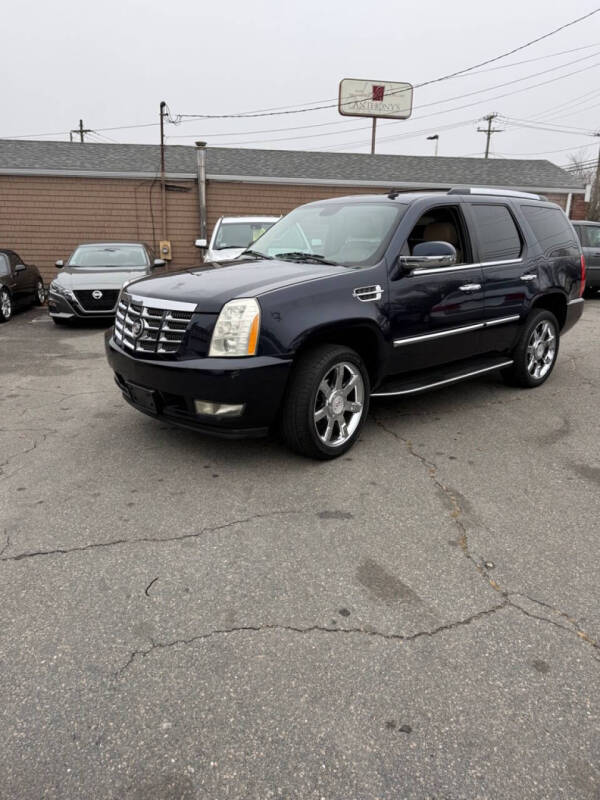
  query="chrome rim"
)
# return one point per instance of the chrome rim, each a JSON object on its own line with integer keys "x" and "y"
{"x": 5, "y": 304}
{"x": 40, "y": 292}
{"x": 541, "y": 349}
{"x": 339, "y": 404}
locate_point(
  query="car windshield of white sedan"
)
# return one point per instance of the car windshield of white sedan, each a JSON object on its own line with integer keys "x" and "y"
{"x": 109, "y": 255}
{"x": 349, "y": 234}
{"x": 239, "y": 234}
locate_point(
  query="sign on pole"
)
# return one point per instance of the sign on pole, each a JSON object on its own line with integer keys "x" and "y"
{"x": 362, "y": 98}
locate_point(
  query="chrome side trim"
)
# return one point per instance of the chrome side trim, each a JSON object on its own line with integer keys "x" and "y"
{"x": 455, "y": 379}
{"x": 452, "y": 331}
{"x": 576, "y": 300}
{"x": 501, "y": 321}
{"x": 457, "y": 267}
{"x": 438, "y": 334}
{"x": 158, "y": 302}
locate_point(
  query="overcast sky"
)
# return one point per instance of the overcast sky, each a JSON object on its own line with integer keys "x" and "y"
{"x": 112, "y": 62}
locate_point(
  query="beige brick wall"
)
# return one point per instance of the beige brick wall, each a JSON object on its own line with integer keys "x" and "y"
{"x": 44, "y": 218}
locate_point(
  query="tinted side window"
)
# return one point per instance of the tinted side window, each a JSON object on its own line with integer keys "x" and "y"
{"x": 498, "y": 237}
{"x": 4, "y": 266}
{"x": 552, "y": 230}
{"x": 591, "y": 235}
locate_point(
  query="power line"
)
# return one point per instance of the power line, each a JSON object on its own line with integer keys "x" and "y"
{"x": 300, "y": 109}
{"x": 262, "y": 113}
{"x": 423, "y": 105}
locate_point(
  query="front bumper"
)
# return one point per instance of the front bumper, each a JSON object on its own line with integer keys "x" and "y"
{"x": 258, "y": 383}
{"x": 63, "y": 308}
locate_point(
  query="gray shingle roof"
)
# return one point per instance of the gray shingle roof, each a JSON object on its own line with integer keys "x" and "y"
{"x": 387, "y": 170}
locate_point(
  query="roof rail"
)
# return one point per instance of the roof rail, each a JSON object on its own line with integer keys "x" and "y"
{"x": 479, "y": 190}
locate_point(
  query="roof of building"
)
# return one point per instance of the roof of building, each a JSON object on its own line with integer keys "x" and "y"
{"x": 283, "y": 166}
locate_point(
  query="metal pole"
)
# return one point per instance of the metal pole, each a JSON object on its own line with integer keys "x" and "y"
{"x": 163, "y": 198}
{"x": 373, "y": 135}
{"x": 201, "y": 172}
{"x": 81, "y": 130}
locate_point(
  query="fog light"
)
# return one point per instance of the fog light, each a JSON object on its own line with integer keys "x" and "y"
{"x": 218, "y": 409}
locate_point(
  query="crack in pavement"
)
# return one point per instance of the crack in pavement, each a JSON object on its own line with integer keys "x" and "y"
{"x": 456, "y": 512}
{"x": 394, "y": 637}
{"x": 323, "y": 629}
{"x": 148, "y": 539}
{"x": 45, "y": 433}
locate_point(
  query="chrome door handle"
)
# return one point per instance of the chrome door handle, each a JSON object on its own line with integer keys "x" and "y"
{"x": 528, "y": 277}
{"x": 469, "y": 287}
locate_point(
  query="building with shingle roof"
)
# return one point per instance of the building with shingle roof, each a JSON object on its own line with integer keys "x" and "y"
{"x": 54, "y": 195}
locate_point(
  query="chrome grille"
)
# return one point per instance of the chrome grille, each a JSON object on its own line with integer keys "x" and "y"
{"x": 163, "y": 324}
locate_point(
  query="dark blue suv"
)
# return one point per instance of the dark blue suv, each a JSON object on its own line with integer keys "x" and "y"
{"x": 347, "y": 299}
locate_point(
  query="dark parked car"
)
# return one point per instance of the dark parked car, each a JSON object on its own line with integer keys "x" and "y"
{"x": 89, "y": 283}
{"x": 347, "y": 299}
{"x": 589, "y": 236}
{"x": 20, "y": 284}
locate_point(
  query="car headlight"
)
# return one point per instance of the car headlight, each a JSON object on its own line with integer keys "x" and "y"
{"x": 236, "y": 331}
{"x": 58, "y": 289}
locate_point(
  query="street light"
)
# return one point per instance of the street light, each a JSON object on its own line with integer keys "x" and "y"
{"x": 436, "y": 139}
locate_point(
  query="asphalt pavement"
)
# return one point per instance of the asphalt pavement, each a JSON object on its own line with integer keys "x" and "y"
{"x": 184, "y": 617}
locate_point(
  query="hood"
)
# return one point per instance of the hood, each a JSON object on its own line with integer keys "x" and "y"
{"x": 90, "y": 278}
{"x": 224, "y": 255}
{"x": 213, "y": 285}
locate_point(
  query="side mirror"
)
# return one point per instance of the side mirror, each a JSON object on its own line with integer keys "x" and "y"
{"x": 158, "y": 262}
{"x": 201, "y": 243}
{"x": 60, "y": 264}
{"x": 428, "y": 255}
{"x": 20, "y": 268}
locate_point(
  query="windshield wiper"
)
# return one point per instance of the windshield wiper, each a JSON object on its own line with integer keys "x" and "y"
{"x": 300, "y": 256}
{"x": 254, "y": 253}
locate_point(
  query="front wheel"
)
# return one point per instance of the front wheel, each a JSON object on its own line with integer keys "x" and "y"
{"x": 326, "y": 402}
{"x": 6, "y": 306}
{"x": 536, "y": 351}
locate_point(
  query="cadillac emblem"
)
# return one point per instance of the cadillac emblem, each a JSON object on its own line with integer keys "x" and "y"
{"x": 137, "y": 328}
{"x": 97, "y": 294}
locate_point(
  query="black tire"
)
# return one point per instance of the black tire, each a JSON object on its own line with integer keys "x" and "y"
{"x": 300, "y": 429}
{"x": 40, "y": 296}
{"x": 6, "y": 305}
{"x": 529, "y": 370}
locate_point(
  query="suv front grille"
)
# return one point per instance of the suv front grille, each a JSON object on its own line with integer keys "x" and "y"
{"x": 106, "y": 301}
{"x": 152, "y": 329}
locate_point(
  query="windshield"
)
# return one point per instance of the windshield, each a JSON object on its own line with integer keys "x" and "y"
{"x": 109, "y": 255}
{"x": 239, "y": 234}
{"x": 352, "y": 234}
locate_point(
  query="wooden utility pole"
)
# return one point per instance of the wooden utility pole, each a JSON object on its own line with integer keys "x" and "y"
{"x": 488, "y": 132}
{"x": 81, "y": 131}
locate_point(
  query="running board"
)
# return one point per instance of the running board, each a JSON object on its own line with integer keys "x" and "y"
{"x": 442, "y": 376}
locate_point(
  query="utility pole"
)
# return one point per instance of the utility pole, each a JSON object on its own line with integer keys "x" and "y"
{"x": 81, "y": 131}
{"x": 488, "y": 132}
{"x": 163, "y": 198}
{"x": 594, "y": 207}
{"x": 436, "y": 139}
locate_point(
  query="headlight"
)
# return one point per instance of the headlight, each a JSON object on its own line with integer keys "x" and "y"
{"x": 58, "y": 289}
{"x": 236, "y": 331}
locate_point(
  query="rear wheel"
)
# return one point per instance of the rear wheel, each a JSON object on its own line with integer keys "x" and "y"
{"x": 326, "y": 402}
{"x": 536, "y": 351}
{"x": 6, "y": 305}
